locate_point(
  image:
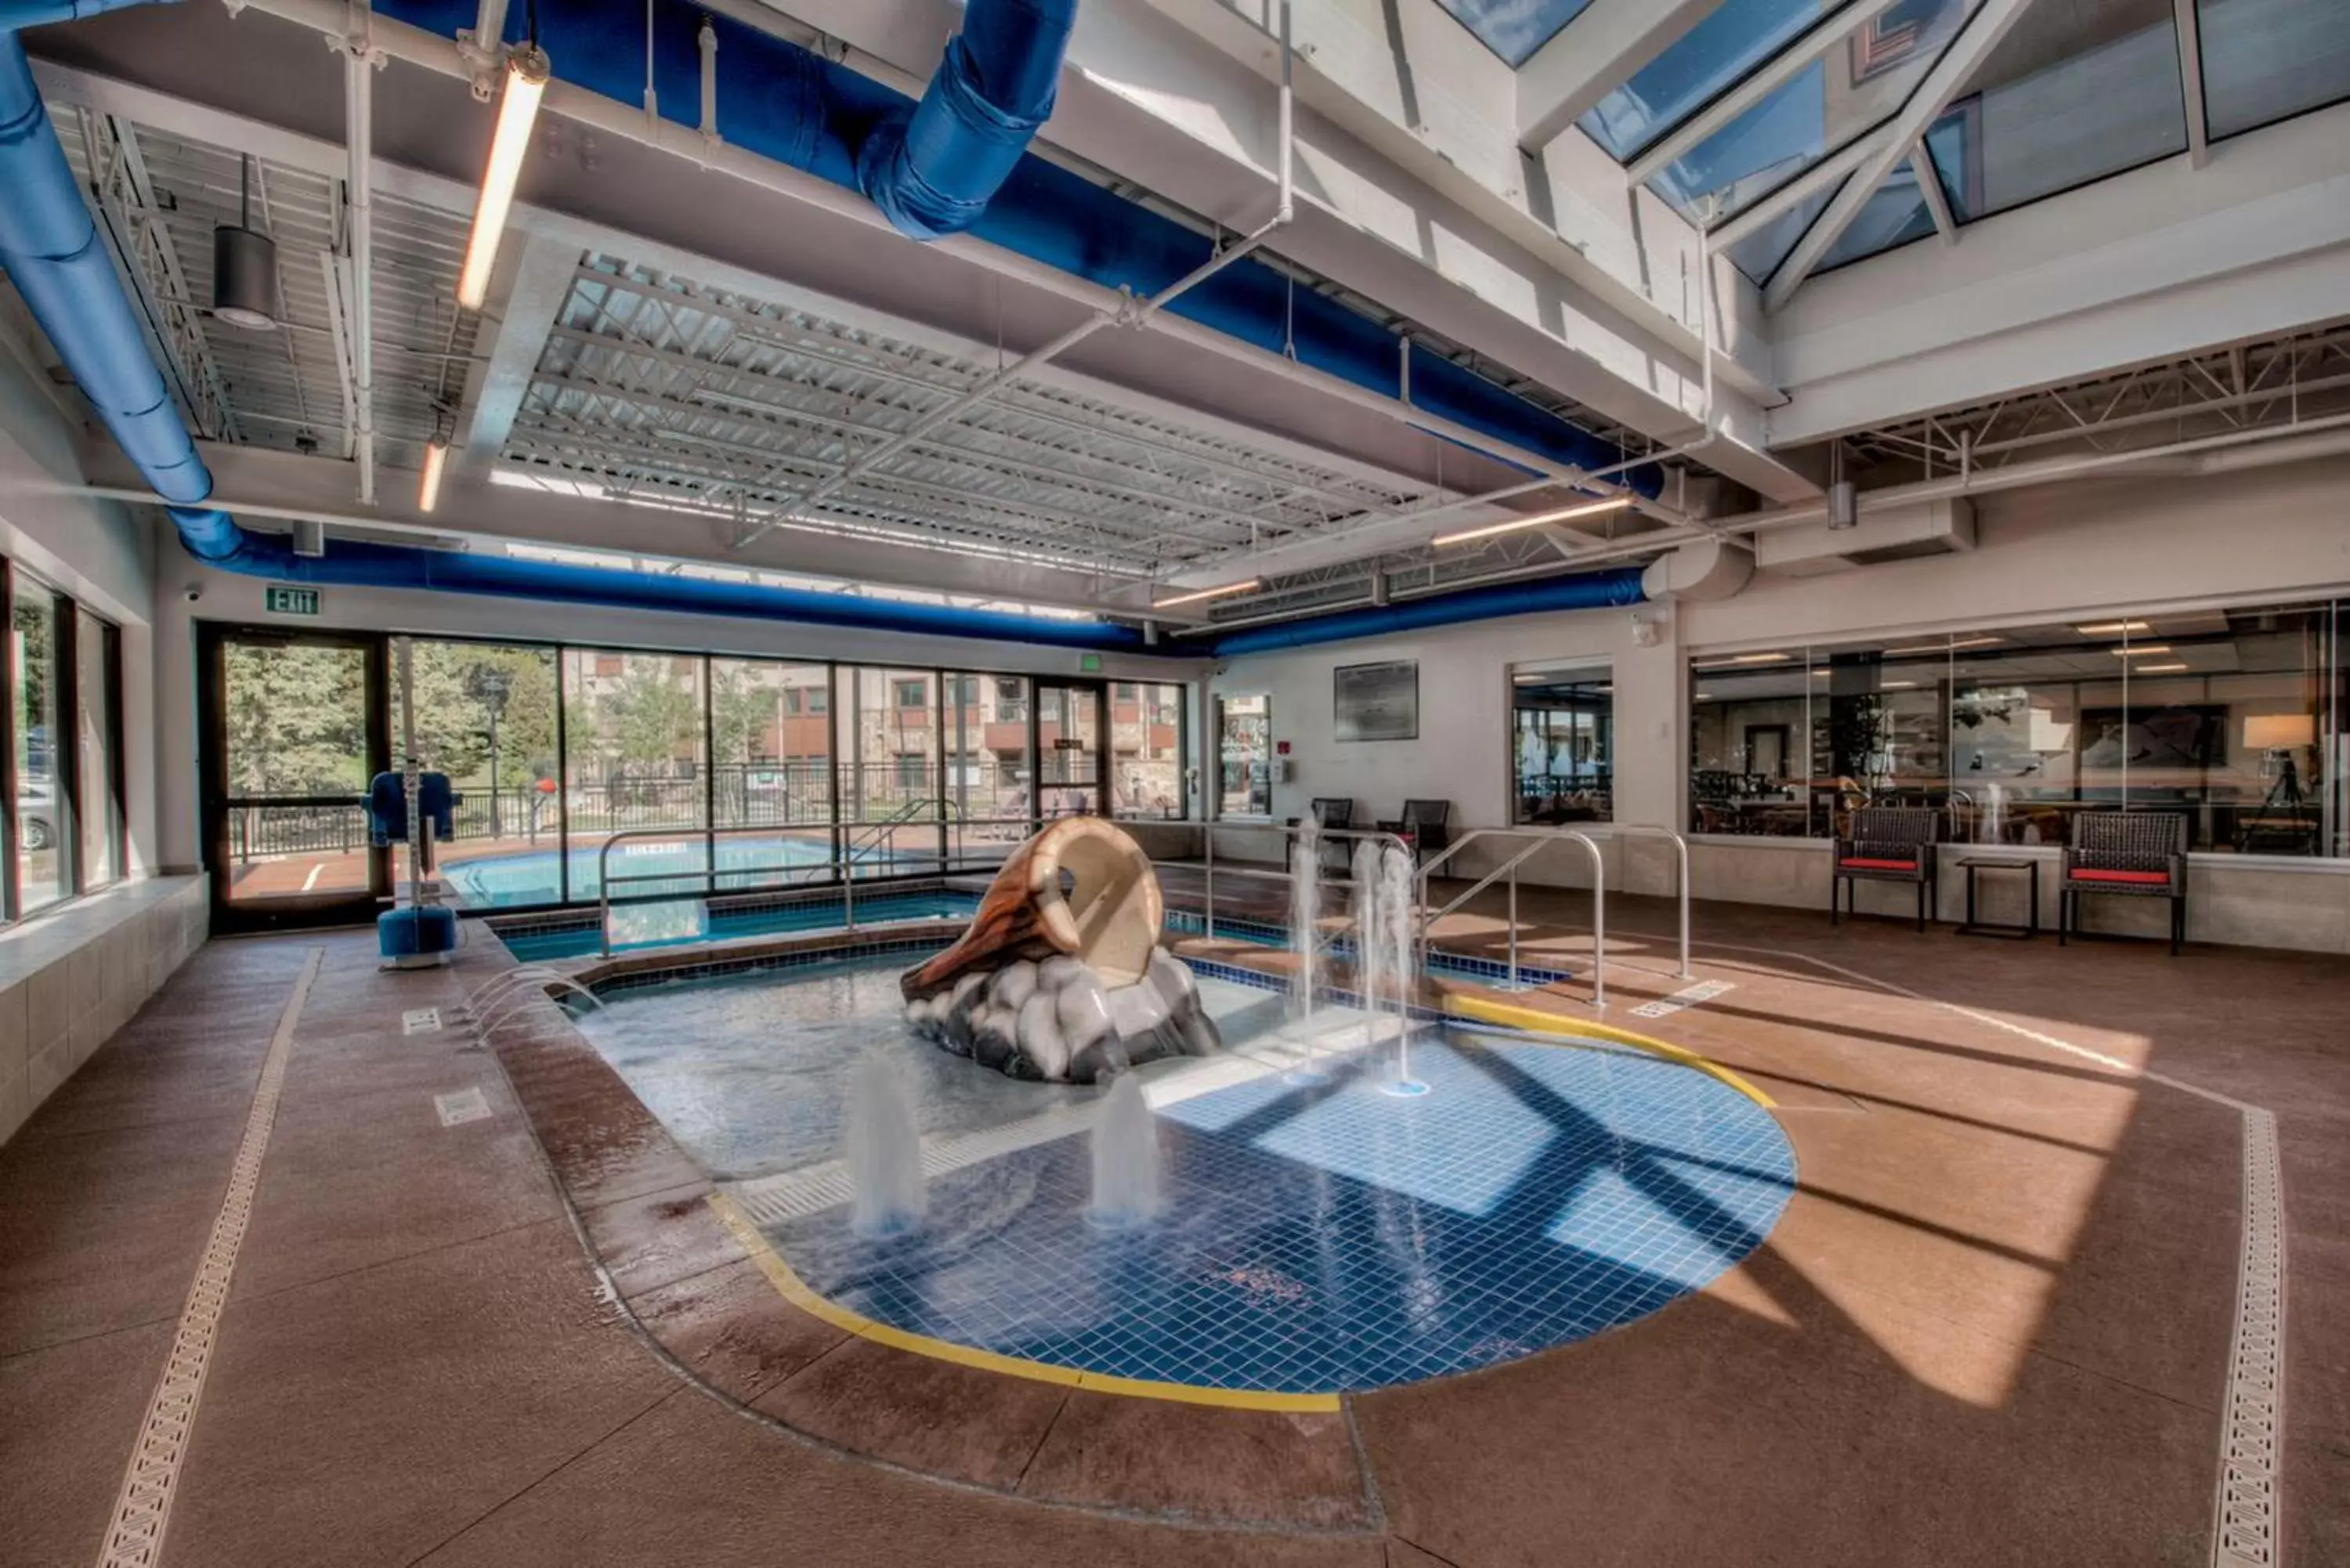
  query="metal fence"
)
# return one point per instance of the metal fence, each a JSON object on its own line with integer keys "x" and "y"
{"x": 780, "y": 794}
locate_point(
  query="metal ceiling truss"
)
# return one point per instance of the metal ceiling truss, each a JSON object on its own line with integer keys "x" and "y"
{"x": 160, "y": 197}
{"x": 1409, "y": 573}
{"x": 733, "y": 405}
{"x": 2241, "y": 386}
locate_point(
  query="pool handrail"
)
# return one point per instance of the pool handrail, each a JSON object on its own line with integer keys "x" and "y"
{"x": 837, "y": 861}
{"x": 1541, "y": 838}
{"x": 1612, "y": 830}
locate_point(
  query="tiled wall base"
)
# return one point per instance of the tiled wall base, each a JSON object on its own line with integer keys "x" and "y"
{"x": 68, "y": 981}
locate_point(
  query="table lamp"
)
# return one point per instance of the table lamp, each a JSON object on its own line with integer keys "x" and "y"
{"x": 2277, "y": 736}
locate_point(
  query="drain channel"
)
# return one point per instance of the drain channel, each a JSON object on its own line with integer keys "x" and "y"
{"x": 144, "y": 1508}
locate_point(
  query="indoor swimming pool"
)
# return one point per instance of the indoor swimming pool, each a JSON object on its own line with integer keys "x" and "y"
{"x": 1319, "y": 1232}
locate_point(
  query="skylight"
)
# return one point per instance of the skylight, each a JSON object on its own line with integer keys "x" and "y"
{"x": 1514, "y": 29}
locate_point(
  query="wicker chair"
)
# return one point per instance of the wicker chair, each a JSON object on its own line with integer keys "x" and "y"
{"x": 1887, "y": 844}
{"x": 2138, "y": 854}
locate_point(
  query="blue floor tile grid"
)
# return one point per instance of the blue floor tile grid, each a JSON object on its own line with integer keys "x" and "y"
{"x": 1333, "y": 1237}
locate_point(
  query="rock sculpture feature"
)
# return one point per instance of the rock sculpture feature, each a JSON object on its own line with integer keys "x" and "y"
{"x": 1061, "y": 976}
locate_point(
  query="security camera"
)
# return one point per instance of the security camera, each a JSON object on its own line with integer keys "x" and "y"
{"x": 193, "y": 592}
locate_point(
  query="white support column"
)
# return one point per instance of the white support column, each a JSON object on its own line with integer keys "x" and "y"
{"x": 1969, "y": 49}
{"x": 2190, "y": 30}
{"x": 1937, "y": 199}
{"x": 1782, "y": 67}
{"x": 1592, "y": 56}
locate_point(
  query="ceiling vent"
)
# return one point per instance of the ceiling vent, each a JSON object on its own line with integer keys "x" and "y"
{"x": 1879, "y": 533}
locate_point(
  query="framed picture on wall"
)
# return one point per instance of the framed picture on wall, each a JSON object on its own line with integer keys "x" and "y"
{"x": 1376, "y": 701}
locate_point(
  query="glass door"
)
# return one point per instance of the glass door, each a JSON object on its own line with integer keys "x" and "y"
{"x": 1072, "y": 764}
{"x": 294, "y": 728}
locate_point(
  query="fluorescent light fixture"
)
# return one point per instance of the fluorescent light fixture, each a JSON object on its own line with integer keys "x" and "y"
{"x": 428, "y": 488}
{"x": 526, "y": 74}
{"x": 2112, "y": 628}
{"x": 1738, "y": 659}
{"x": 1897, "y": 685}
{"x": 1705, "y": 697}
{"x": 1537, "y": 520}
{"x": 2177, "y": 669}
{"x": 2139, "y": 650}
{"x": 1946, "y": 646}
{"x": 1195, "y": 597}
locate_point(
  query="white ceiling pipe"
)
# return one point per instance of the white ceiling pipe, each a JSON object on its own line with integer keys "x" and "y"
{"x": 360, "y": 58}
{"x": 412, "y": 46}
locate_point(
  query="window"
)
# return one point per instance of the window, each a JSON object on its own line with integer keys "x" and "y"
{"x": 634, "y": 757}
{"x": 816, "y": 698}
{"x": 2234, "y": 718}
{"x": 98, "y": 689}
{"x": 1011, "y": 701}
{"x": 1563, "y": 734}
{"x": 1244, "y": 756}
{"x": 1146, "y": 734}
{"x": 911, "y": 694}
{"x": 485, "y": 716}
{"x": 913, "y": 773}
{"x": 45, "y": 829}
{"x": 770, "y": 766}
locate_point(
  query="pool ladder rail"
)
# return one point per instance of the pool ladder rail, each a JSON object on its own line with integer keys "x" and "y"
{"x": 1537, "y": 840}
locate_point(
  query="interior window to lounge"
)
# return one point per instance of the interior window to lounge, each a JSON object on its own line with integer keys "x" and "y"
{"x": 1563, "y": 736}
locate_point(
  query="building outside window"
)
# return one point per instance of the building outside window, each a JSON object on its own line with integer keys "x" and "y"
{"x": 1147, "y": 751}
{"x": 1244, "y": 756}
{"x": 1563, "y": 736}
{"x": 2234, "y": 718}
{"x": 45, "y": 827}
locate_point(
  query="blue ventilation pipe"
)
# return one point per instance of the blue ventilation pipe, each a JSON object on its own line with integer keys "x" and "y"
{"x": 52, "y": 251}
{"x": 796, "y": 108}
{"x": 934, "y": 171}
{"x": 1593, "y": 590}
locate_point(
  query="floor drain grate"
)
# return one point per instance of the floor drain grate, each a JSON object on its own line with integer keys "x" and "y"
{"x": 420, "y": 1021}
{"x": 462, "y": 1105}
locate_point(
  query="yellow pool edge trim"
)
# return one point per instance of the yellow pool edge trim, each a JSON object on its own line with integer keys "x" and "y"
{"x": 1510, "y": 1016}
{"x": 795, "y": 1290}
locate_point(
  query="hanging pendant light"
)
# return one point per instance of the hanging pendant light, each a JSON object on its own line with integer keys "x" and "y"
{"x": 244, "y": 267}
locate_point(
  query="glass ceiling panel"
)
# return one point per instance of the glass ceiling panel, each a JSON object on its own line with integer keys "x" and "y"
{"x": 1759, "y": 254}
{"x": 2071, "y": 94}
{"x": 2266, "y": 60}
{"x": 1514, "y": 29}
{"x": 1849, "y": 90}
{"x": 1702, "y": 64}
{"x": 1894, "y": 214}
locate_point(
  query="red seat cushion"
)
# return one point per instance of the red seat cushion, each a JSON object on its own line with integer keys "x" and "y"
{"x": 1871, "y": 863}
{"x": 2144, "y": 878}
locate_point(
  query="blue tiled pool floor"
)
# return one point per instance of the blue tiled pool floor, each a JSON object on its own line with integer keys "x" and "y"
{"x": 1335, "y": 1238}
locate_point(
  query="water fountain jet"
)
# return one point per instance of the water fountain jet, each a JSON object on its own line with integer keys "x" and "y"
{"x": 885, "y": 1150}
{"x": 1126, "y": 1158}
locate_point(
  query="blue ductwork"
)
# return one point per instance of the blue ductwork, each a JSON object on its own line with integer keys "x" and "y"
{"x": 934, "y": 172}
{"x": 796, "y": 108}
{"x": 354, "y": 564}
{"x": 1593, "y": 590}
{"x": 799, "y": 108}
{"x": 52, "y": 253}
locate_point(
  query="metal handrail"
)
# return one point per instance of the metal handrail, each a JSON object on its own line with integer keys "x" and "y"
{"x": 1210, "y": 827}
{"x": 1544, "y": 838}
{"x": 1680, "y": 884}
{"x": 838, "y": 862}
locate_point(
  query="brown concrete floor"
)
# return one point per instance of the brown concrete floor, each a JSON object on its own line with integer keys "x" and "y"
{"x": 1992, "y": 1328}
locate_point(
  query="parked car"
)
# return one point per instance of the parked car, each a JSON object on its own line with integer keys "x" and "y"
{"x": 34, "y": 809}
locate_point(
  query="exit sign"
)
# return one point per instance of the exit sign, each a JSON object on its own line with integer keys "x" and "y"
{"x": 284, "y": 600}
{"x": 1090, "y": 663}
